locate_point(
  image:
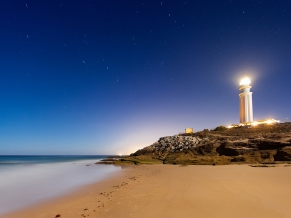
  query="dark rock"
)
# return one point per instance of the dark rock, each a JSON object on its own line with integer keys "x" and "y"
{"x": 227, "y": 149}
{"x": 283, "y": 154}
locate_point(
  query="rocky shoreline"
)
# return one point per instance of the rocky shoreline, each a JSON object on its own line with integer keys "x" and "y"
{"x": 260, "y": 144}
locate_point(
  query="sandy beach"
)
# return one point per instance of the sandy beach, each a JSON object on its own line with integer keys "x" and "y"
{"x": 176, "y": 191}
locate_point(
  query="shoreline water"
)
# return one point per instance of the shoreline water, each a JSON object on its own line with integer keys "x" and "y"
{"x": 72, "y": 204}
{"x": 176, "y": 191}
{"x": 26, "y": 180}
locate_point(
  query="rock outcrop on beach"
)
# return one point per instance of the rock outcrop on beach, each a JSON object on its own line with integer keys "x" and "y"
{"x": 260, "y": 144}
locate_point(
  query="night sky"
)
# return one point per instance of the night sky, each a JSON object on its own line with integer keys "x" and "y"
{"x": 110, "y": 77}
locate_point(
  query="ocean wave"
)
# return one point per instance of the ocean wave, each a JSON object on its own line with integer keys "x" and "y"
{"x": 22, "y": 186}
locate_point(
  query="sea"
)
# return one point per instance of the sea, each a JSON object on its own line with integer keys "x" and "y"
{"x": 27, "y": 179}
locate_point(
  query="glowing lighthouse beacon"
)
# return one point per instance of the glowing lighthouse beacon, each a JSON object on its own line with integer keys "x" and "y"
{"x": 245, "y": 101}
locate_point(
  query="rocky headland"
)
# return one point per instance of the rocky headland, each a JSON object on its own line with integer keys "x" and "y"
{"x": 265, "y": 144}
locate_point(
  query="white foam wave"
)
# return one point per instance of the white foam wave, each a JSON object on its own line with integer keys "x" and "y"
{"x": 23, "y": 185}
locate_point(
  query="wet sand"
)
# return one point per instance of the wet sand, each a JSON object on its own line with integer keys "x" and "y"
{"x": 177, "y": 191}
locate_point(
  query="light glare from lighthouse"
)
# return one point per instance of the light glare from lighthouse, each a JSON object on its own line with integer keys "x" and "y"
{"x": 245, "y": 82}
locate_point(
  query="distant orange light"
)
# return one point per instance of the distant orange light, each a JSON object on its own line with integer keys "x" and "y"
{"x": 269, "y": 121}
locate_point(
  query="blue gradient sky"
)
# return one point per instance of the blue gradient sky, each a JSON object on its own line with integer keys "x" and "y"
{"x": 110, "y": 77}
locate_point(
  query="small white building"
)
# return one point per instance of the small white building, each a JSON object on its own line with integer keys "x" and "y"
{"x": 189, "y": 130}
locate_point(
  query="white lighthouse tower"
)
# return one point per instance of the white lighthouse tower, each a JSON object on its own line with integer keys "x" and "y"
{"x": 245, "y": 101}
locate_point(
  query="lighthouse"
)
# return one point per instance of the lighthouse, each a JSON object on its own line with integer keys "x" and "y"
{"x": 245, "y": 101}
